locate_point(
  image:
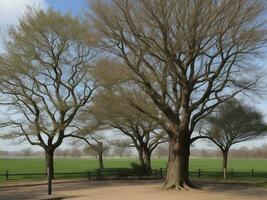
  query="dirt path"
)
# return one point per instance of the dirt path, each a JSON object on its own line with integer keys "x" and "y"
{"x": 125, "y": 190}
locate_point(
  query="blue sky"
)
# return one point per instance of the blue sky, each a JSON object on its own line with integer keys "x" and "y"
{"x": 12, "y": 10}
{"x": 75, "y": 6}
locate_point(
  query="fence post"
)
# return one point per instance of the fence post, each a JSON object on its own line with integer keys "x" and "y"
{"x": 6, "y": 175}
{"x": 199, "y": 173}
{"x": 252, "y": 172}
{"x": 161, "y": 176}
{"x": 89, "y": 175}
{"x": 156, "y": 173}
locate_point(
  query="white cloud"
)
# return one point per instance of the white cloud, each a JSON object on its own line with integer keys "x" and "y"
{"x": 12, "y": 10}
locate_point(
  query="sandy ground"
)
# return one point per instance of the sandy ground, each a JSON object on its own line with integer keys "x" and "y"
{"x": 132, "y": 190}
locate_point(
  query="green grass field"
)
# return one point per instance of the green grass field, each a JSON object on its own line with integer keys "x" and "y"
{"x": 65, "y": 165}
{"x": 35, "y": 165}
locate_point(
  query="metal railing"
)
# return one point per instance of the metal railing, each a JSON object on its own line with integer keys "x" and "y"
{"x": 126, "y": 173}
{"x": 99, "y": 174}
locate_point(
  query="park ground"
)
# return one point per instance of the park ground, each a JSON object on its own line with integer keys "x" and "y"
{"x": 132, "y": 190}
{"x": 246, "y": 188}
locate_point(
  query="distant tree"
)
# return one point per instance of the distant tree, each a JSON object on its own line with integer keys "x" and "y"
{"x": 27, "y": 152}
{"x": 161, "y": 151}
{"x": 89, "y": 151}
{"x": 95, "y": 146}
{"x": 232, "y": 123}
{"x": 89, "y": 131}
{"x": 44, "y": 78}
{"x": 4, "y": 153}
{"x": 75, "y": 152}
{"x": 121, "y": 149}
{"x": 66, "y": 153}
{"x": 189, "y": 56}
{"x": 59, "y": 152}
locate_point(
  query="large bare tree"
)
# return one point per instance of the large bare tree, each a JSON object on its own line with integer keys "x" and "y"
{"x": 188, "y": 56}
{"x": 44, "y": 78}
{"x": 232, "y": 123}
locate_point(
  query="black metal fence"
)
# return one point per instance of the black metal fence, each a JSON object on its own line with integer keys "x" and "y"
{"x": 126, "y": 173}
{"x": 99, "y": 174}
{"x": 230, "y": 174}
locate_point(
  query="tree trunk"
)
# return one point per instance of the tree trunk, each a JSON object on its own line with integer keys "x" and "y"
{"x": 49, "y": 156}
{"x": 225, "y": 159}
{"x": 178, "y": 165}
{"x": 100, "y": 160}
{"x": 141, "y": 157}
{"x": 147, "y": 160}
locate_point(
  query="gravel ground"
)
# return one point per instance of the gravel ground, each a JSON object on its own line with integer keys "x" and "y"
{"x": 130, "y": 190}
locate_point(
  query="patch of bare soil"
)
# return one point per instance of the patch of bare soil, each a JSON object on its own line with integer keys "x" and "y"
{"x": 132, "y": 190}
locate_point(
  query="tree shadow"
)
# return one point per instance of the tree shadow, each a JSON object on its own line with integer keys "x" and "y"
{"x": 61, "y": 198}
{"x": 239, "y": 189}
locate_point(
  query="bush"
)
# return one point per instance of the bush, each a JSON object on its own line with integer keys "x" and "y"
{"x": 140, "y": 169}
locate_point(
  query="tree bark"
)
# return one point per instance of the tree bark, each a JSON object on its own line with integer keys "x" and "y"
{"x": 141, "y": 157}
{"x": 178, "y": 165}
{"x": 49, "y": 157}
{"x": 147, "y": 160}
{"x": 225, "y": 159}
{"x": 100, "y": 160}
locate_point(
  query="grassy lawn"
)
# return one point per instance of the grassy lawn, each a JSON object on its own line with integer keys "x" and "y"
{"x": 63, "y": 165}
{"x": 35, "y": 165}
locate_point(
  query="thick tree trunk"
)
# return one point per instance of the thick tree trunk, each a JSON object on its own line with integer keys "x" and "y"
{"x": 141, "y": 157}
{"x": 147, "y": 160}
{"x": 100, "y": 160}
{"x": 178, "y": 165}
{"x": 225, "y": 159}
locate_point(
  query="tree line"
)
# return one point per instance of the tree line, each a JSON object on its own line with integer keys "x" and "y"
{"x": 74, "y": 152}
{"x": 161, "y": 151}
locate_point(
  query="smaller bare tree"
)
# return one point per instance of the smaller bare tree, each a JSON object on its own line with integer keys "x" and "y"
{"x": 116, "y": 107}
{"x": 113, "y": 108}
{"x": 232, "y": 123}
{"x": 88, "y": 130}
{"x": 95, "y": 144}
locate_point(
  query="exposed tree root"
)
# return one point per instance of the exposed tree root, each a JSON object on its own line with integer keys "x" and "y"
{"x": 184, "y": 187}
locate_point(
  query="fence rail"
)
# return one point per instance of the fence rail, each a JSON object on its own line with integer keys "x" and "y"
{"x": 126, "y": 173}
